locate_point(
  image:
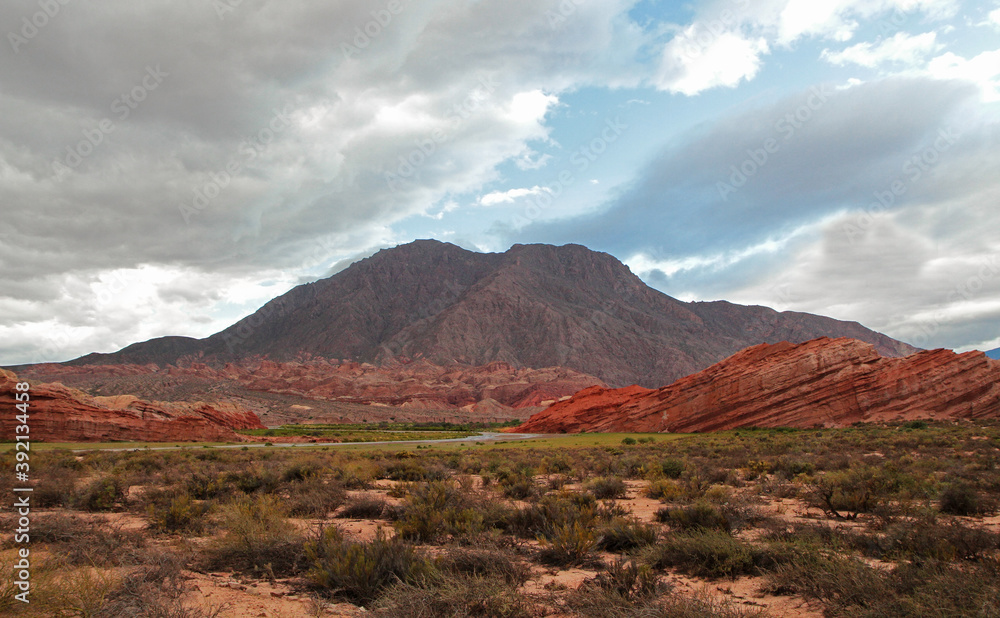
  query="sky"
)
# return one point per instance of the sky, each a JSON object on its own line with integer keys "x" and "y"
{"x": 166, "y": 167}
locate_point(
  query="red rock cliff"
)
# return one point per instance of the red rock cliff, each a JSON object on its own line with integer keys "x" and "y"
{"x": 61, "y": 414}
{"x": 823, "y": 382}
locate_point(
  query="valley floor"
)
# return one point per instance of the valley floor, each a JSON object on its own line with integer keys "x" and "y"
{"x": 866, "y": 521}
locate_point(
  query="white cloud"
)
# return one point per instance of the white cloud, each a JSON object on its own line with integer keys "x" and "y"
{"x": 726, "y": 42}
{"x": 689, "y": 67}
{"x": 994, "y": 18}
{"x": 901, "y": 48}
{"x": 839, "y": 20}
{"x": 983, "y": 70}
{"x": 506, "y": 197}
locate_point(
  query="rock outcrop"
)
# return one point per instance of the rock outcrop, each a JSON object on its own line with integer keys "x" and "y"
{"x": 406, "y": 384}
{"x": 820, "y": 383}
{"x": 533, "y": 306}
{"x": 61, "y": 414}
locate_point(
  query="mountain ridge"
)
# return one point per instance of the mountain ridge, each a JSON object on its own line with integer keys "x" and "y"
{"x": 532, "y": 306}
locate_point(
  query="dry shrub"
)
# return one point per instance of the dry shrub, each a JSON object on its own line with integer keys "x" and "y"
{"x": 258, "y": 538}
{"x": 361, "y": 571}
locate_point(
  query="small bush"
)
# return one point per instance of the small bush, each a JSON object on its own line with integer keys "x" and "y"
{"x": 567, "y": 544}
{"x": 455, "y": 595}
{"x": 182, "y": 513}
{"x": 364, "y": 507}
{"x": 672, "y": 468}
{"x": 628, "y": 441}
{"x": 697, "y": 516}
{"x": 706, "y": 553}
{"x": 664, "y": 490}
{"x": 628, "y": 580}
{"x": 607, "y": 488}
{"x": 962, "y": 499}
{"x": 312, "y": 497}
{"x": 484, "y": 563}
{"x": 258, "y": 538}
{"x": 848, "y": 587}
{"x": 551, "y": 511}
{"x": 104, "y": 494}
{"x": 622, "y": 534}
{"x": 361, "y": 571}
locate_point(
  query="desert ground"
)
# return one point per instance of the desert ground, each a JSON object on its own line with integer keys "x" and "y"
{"x": 873, "y": 520}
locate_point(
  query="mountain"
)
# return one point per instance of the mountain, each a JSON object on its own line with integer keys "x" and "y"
{"x": 994, "y": 354}
{"x": 532, "y": 306}
{"x": 825, "y": 382}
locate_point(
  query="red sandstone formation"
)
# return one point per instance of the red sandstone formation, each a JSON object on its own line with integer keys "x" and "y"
{"x": 823, "y": 382}
{"x": 61, "y": 414}
{"x": 416, "y": 384}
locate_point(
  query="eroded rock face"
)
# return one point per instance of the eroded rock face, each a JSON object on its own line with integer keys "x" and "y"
{"x": 493, "y": 390}
{"x": 62, "y": 414}
{"x": 823, "y": 382}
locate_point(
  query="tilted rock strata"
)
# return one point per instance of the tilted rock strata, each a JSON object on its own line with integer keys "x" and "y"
{"x": 824, "y": 382}
{"x": 61, "y": 414}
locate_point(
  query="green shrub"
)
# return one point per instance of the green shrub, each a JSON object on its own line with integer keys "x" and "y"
{"x": 700, "y": 515}
{"x": 846, "y": 494}
{"x": 205, "y": 487}
{"x": 104, "y": 494}
{"x": 437, "y": 509}
{"x": 961, "y": 499}
{"x": 672, "y": 468}
{"x": 628, "y": 441}
{"x": 848, "y": 587}
{"x": 258, "y": 537}
{"x": 567, "y": 544}
{"x": 182, "y": 513}
{"x": 551, "y": 511}
{"x": 664, "y": 490}
{"x": 361, "y": 571}
{"x": 706, "y": 553}
{"x": 628, "y": 580}
{"x": 621, "y": 534}
{"x": 607, "y": 488}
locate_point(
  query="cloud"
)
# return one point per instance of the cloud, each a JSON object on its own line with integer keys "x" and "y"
{"x": 901, "y": 48}
{"x": 279, "y": 139}
{"x": 726, "y": 60}
{"x": 727, "y": 41}
{"x": 803, "y": 222}
{"x": 983, "y": 70}
{"x": 506, "y": 197}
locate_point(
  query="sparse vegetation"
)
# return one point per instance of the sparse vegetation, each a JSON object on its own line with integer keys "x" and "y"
{"x": 866, "y": 521}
